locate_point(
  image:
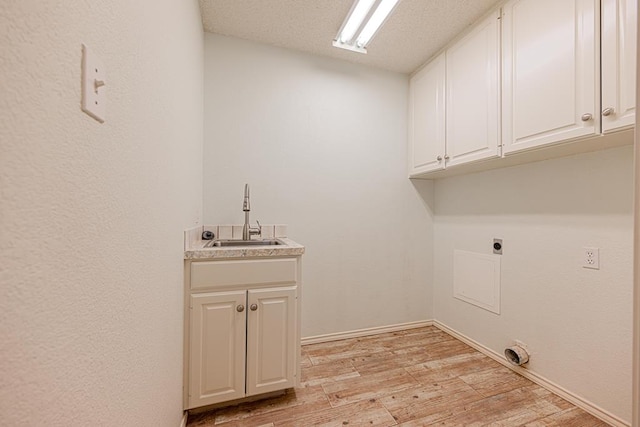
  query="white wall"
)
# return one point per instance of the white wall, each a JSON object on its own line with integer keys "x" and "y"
{"x": 577, "y": 322}
{"x": 92, "y": 215}
{"x": 323, "y": 145}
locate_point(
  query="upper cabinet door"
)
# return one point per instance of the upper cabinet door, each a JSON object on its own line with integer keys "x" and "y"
{"x": 550, "y": 72}
{"x": 472, "y": 110}
{"x": 426, "y": 118}
{"x": 618, "y": 64}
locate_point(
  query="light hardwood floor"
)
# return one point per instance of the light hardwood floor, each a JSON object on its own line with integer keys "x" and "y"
{"x": 417, "y": 377}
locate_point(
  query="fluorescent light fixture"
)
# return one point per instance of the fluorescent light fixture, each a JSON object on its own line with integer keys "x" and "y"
{"x": 362, "y": 23}
{"x": 375, "y": 22}
{"x": 360, "y": 11}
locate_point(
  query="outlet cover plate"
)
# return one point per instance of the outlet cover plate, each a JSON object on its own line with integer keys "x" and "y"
{"x": 591, "y": 258}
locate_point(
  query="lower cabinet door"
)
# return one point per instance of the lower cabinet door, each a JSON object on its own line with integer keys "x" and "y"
{"x": 271, "y": 339}
{"x": 217, "y": 353}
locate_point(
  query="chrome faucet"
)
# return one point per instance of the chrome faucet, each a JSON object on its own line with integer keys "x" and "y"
{"x": 247, "y": 230}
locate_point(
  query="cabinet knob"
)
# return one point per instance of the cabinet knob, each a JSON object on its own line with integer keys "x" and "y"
{"x": 586, "y": 117}
{"x": 240, "y": 308}
{"x": 608, "y": 111}
{"x": 253, "y": 307}
{"x": 439, "y": 158}
{"x": 446, "y": 157}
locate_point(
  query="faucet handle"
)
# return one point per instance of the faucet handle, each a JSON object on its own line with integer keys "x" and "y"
{"x": 256, "y": 231}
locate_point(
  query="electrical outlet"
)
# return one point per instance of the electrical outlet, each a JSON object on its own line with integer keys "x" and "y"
{"x": 591, "y": 258}
{"x": 497, "y": 246}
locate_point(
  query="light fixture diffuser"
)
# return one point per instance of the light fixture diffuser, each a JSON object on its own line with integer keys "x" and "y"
{"x": 362, "y": 23}
{"x": 356, "y": 18}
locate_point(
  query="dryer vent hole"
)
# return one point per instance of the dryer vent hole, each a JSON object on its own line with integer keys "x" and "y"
{"x": 516, "y": 355}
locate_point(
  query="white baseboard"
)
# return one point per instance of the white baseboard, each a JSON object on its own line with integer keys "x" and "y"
{"x": 365, "y": 332}
{"x": 578, "y": 401}
{"x": 183, "y": 423}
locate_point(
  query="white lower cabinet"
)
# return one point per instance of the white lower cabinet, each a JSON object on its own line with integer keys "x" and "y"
{"x": 242, "y": 342}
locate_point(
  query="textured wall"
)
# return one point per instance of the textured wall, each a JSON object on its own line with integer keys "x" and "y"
{"x": 91, "y": 215}
{"x": 577, "y": 322}
{"x": 323, "y": 145}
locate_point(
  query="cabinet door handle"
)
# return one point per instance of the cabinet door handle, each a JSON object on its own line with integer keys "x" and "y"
{"x": 240, "y": 308}
{"x": 439, "y": 158}
{"x": 586, "y": 117}
{"x": 253, "y": 307}
{"x": 446, "y": 157}
{"x": 608, "y": 111}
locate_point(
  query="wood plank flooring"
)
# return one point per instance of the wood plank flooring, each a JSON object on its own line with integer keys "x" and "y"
{"x": 417, "y": 377}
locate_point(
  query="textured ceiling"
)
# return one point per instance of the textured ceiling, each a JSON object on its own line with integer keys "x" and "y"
{"x": 415, "y": 31}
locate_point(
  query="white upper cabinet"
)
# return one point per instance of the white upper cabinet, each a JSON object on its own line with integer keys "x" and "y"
{"x": 473, "y": 96}
{"x": 618, "y": 64}
{"x": 535, "y": 74}
{"x": 426, "y": 118}
{"x": 454, "y": 103}
{"x": 550, "y": 89}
